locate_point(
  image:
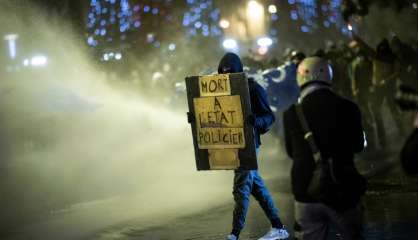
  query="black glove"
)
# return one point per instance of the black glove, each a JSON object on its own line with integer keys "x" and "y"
{"x": 190, "y": 117}
{"x": 250, "y": 120}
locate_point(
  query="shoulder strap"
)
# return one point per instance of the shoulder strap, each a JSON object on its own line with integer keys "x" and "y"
{"x": 308, "y": 134}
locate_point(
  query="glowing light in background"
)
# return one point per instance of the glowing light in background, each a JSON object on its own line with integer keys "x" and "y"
{"x": 263, "y": 50}
{"x": 39, "y": 61}
{"x": 150, "y": 37}
{"x": 335, "y": 12}
{"x": 255, "y": 19}
{"x": 197, "y": 24}
{"x": 307, "y": 10}
{"x": 255, "y": 11}
{"x": 310, "y": 12}
{"x": 11, "y": 41}
{"x": 224, "y": 24}
{"x": 26, "y": 62}
{"x": 293, "y": 15}
{"x": 265, "y": 42}
{"x": 304, "y": 28}
{"x": 272, "y": 8}
{"x": 118, "y": 56}
{"x": 230, "y": 44}
{"x": 106, "y": 20}
{"x": 105, "y": 16}
{"x": 155, "y": 11}
{"x": 172, "y": 47}
{"x": 111, "y": 20}
{"x": 202, "y": 18}
{"x": 157, "y": 76}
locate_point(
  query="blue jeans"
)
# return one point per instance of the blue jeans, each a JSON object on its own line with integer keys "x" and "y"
{"x": 246, "y": 183}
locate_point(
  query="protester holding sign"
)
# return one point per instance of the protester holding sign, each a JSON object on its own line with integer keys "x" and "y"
{"x": 249, "y": 182}
{"x": 218, "y": 107}
{"x": 323, "y": 132}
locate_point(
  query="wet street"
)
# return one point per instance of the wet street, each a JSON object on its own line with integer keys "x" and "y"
{"x": 391, "y": 212}
{"x": 116, "y": 116}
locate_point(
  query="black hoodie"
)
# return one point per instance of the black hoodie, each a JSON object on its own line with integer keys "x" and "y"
{"x": 409, "y": 155}
{"x": 260, "y": 107}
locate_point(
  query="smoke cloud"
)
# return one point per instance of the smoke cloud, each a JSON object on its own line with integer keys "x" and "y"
{"x": 385, "y": 22}
{"x": 362, "y": 7}
{"x": 69, "y": 137}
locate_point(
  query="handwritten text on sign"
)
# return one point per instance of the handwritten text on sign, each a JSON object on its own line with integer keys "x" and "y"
{"x": 220, "y": 122}
{"x": 214, "y": 85}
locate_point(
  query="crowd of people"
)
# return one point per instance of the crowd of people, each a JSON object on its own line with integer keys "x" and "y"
{"x": 322, "y": 131}
{"x": 330, "y": 107}
{"x": 368, "y": 76}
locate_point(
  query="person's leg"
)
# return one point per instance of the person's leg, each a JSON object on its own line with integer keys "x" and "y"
{"x": 397, "y": 116}
{"x": 349, "y": 224}
{"x": 377, "y": 101}
{"x": 262, "y": 195}
{"x": 312, "y": 221}
{"x": 368, "y": 125}
{"x": 243, "y": 181}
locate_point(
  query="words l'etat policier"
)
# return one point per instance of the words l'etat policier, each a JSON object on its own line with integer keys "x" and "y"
{"x": 219, "y": 115}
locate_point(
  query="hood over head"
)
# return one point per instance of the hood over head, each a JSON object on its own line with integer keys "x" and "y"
{"x": 230, "y": 63}
{"x": 384, "y": 52}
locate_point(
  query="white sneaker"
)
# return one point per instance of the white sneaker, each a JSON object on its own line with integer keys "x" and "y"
{"x": 275, "y": 234}
{"x": 231, "y": 237}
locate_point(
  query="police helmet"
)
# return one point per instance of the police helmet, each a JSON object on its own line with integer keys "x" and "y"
{"x": 314, "y": 69}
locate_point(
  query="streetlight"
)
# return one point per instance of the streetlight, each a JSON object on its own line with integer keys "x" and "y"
{"x": 272, "y": 9}
{"x": 172, "y": 46}
{"x": 11, "y": 41}
{"x": 106, "y": 57}
{"x": 264, "y": 42}
{"x": 255, "y": 10}
{"x": 118, "y": 56}
{"x": 256, "y": 20}
{"x": 230, "y": 44}
{"x": 39, "y": 61}
{"x": 26, "y": 62}
{"x": 224, "y": 24}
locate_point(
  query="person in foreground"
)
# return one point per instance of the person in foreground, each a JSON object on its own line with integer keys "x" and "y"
{"x": 335, "y": 133}
{"x": 409, "y": 154}
{"x": 249, "y": 182}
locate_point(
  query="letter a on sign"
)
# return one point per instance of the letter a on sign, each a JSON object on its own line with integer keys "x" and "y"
{"x": 222, "y": 139}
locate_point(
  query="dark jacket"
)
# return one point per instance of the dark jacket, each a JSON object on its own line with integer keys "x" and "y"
{"x": 409, "y": 155}
{"x": 260, "y": 107}
{"x": 261, "y": 110}
{"x": 337, "y": 130}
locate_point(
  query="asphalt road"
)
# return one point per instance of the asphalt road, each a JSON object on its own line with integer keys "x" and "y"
{"x": 390, "y": 203}
{"x": 391, "y": 213}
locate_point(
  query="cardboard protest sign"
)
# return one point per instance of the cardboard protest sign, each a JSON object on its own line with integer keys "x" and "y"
{"x": 222, "y": 139}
